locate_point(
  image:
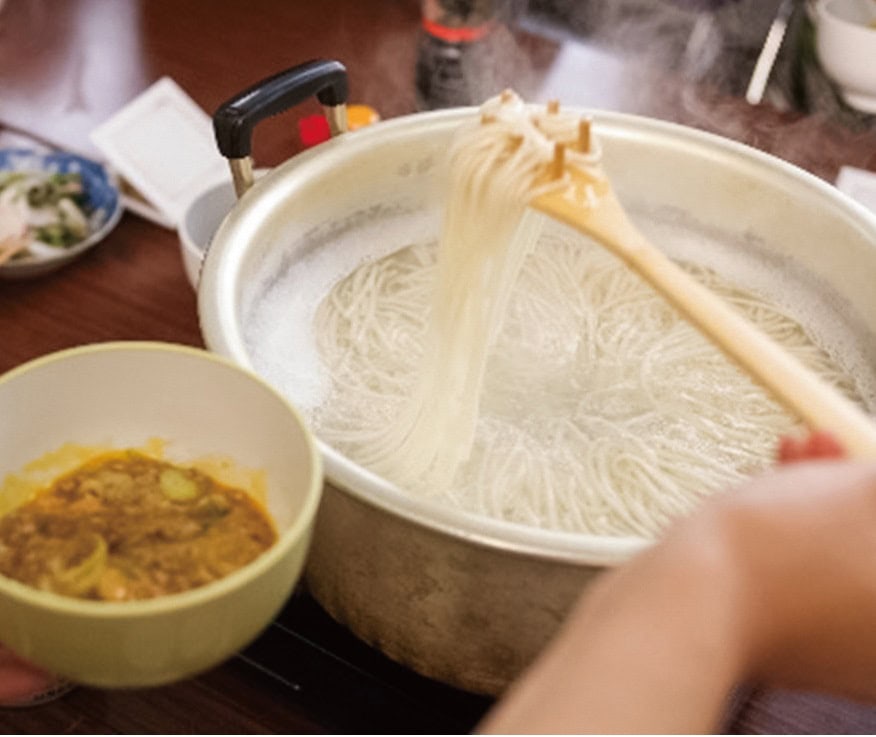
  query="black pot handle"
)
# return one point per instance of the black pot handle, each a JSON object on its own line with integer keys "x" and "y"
{"x": 235, "y": 119}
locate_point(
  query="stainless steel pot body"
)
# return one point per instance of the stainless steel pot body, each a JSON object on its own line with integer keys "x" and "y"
{"x": 458, "y": 610}
{"x": 463, "y": 599}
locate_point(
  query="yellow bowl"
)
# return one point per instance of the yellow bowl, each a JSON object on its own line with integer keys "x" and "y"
{"x": 195, "y": 407}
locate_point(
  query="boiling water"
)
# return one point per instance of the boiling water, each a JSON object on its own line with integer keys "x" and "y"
{"x": 586, "y": 424}
{"x": 280, "y": 305}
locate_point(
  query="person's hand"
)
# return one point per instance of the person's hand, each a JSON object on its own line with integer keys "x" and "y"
{"x": 815, "y": 446}
{"x": 803, "y": 541}
{"x": 774, "y": 582}
{"x": 19, "y": 680}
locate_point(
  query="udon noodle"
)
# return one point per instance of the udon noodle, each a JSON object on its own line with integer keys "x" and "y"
{"x": 602, "y": 410}
{"x": 516, "y": 372}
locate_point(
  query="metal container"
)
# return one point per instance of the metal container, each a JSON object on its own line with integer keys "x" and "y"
{"x": 460, "y": 598}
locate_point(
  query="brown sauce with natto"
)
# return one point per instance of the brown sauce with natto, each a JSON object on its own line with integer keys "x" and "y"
{"x": 126, "y": 526}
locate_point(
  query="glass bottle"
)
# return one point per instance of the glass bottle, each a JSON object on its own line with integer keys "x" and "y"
{"x": 454, "y": 64}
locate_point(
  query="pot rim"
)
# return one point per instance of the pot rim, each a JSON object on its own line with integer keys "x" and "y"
{"x": 221, "y": 334}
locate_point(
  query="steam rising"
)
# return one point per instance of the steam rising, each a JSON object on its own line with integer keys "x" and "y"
{"x": 690, "y": 61}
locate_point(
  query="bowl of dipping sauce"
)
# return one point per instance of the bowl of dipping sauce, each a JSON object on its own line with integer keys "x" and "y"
{"x": 846, "y": 47}
{"x": 126, "y": 470}
{"x": 57, "y": 205}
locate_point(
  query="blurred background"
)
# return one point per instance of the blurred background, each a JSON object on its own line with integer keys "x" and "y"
{"x": 79, "y": 61}
{"x": 715, "y": 42}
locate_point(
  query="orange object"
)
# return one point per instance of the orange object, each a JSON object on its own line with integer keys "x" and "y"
{"x": 358, "y": 116}
{"x": 457, "y": 34}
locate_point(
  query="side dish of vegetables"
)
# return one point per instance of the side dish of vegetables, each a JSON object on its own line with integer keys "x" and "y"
{"x": 49, "y": 207}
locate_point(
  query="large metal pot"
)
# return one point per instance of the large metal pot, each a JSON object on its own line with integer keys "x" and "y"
{"x": 464, "y": 599}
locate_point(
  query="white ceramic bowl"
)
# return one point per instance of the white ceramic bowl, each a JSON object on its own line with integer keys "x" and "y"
{"x": 846, "y": 47}
{"x": 103, "y": 207}
{"x": 199, "y": 222}
{"x": 122, "y": 395}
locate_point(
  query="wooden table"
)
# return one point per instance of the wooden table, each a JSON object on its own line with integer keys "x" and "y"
{"x": 66, "y": 66}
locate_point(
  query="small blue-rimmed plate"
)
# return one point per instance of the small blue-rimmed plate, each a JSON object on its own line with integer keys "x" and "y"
{"x": 102, "y": 205}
